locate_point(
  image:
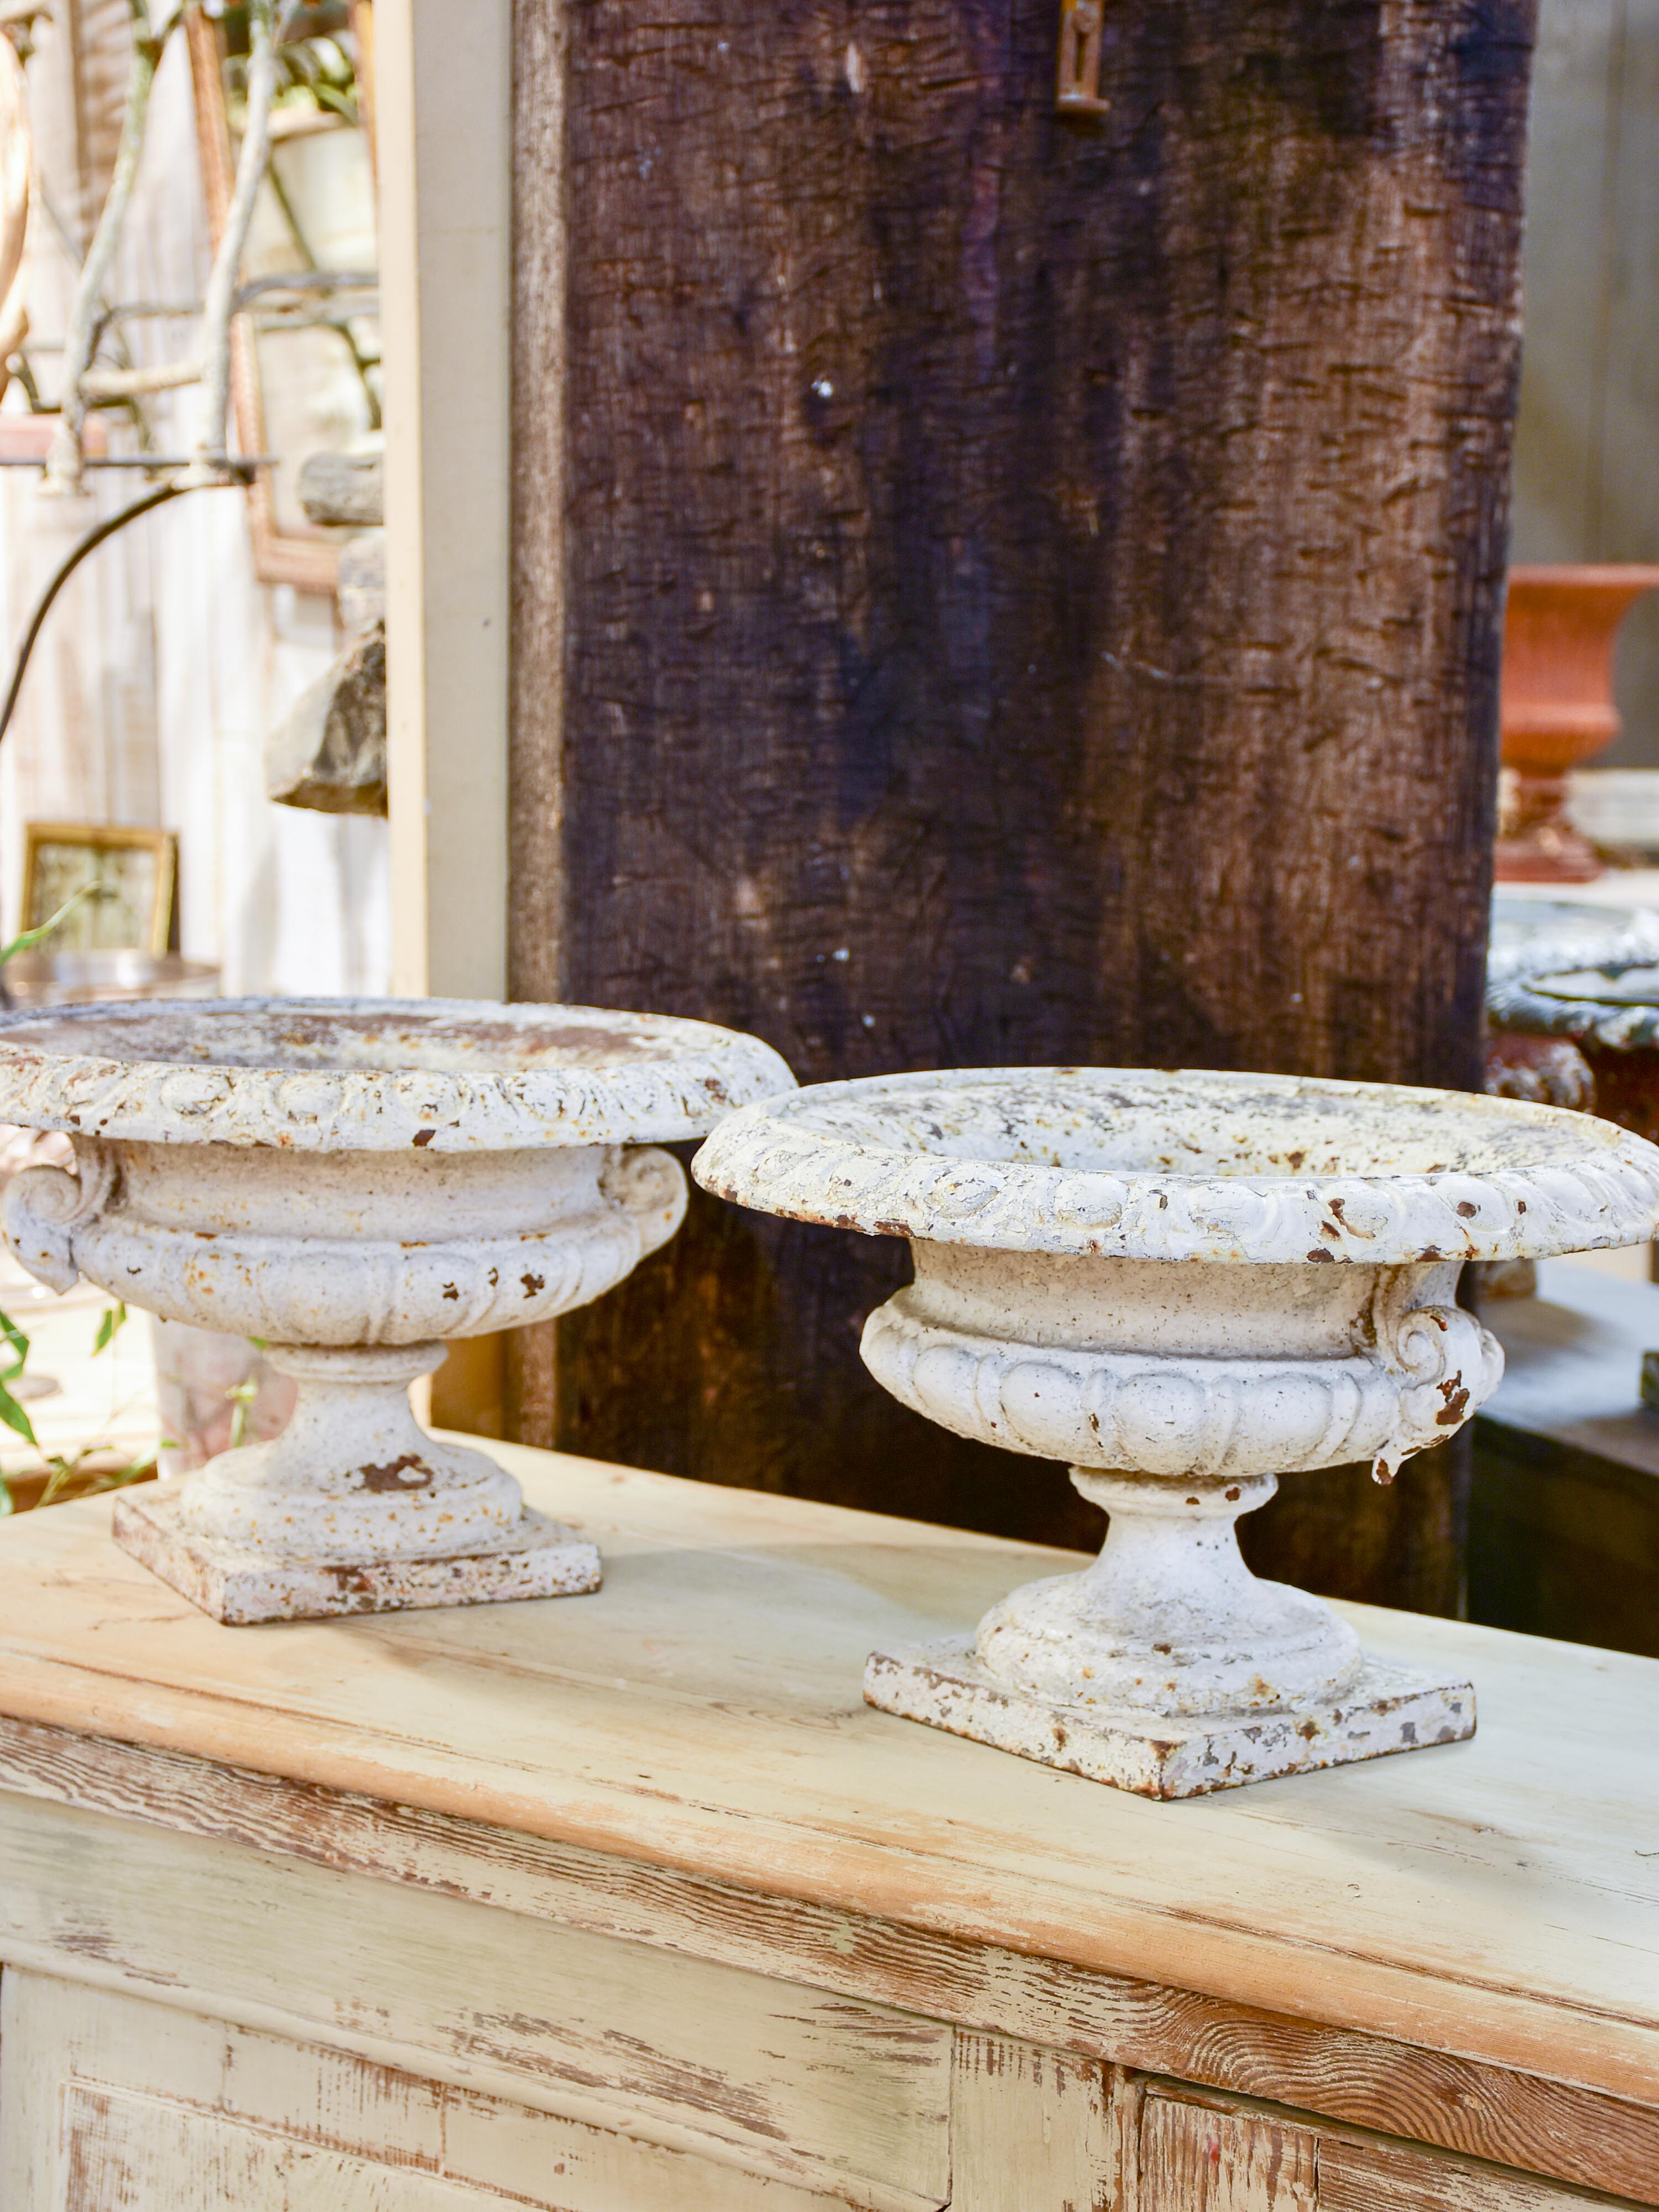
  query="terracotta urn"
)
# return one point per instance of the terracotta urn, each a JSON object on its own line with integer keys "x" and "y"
{"x": 354, "y": 1182}
{"x": 1183, "y": 1285}
{"x": 1556, "y": 706}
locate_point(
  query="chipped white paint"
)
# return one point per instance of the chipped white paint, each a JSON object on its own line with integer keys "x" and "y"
{"x": 538, "y": 1558}
{"x": 354, "y": 1182}
{"x": 329, "y": 1075}
{"x": 1183, "y": 1285}
{"x": 1384, "y": 1709}
{"x": 1182, "y": 1368}
{"x": 1196, "y": 1165}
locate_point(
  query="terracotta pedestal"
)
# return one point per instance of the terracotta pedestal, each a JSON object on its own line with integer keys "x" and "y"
{"x": 1557, "y": 708}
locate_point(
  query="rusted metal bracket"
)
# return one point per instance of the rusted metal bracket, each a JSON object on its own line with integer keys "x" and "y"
{"x": 1077, "y": 89}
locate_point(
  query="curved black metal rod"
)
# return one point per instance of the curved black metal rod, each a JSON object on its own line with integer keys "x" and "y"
{"x": 77, "y": 554}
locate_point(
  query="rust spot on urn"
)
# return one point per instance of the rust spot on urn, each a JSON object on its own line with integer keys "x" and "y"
{"x": 397, "y": 1474}
{"x": 1457, "y": 1398}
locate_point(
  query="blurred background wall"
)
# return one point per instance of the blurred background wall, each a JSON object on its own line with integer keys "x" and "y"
{"x": 1586, "y": 455}
{"x": 167, "y": 661}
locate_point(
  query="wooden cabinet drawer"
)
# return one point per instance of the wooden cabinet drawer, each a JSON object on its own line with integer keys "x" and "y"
{"x": 826, "y": 2093}
{"x": 1204, "y": 2157}
{"x": 112, "y": 2104}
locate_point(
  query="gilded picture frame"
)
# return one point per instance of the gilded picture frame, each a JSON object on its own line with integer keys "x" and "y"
{"x": 132, "y": 874}
{"x": 286, "y": 550}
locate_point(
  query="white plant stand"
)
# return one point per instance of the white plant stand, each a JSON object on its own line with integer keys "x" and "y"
{"x": 355, "y": 1182}
{"x": 1184, "y": 1286}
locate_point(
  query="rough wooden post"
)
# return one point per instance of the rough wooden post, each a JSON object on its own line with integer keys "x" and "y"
{"x": 994, "y": 587}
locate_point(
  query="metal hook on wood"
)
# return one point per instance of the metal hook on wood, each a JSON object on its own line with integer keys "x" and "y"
{"x": 1077, "y": 91}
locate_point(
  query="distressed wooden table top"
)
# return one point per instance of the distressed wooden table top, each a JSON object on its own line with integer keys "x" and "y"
{"x": 1498, "y": 1899}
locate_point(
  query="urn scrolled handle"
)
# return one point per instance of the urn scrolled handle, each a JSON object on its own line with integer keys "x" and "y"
{"x": 1447, "y": 1362}
{"x": 648, "y": 1183}
{"x": 45, "y": 1206}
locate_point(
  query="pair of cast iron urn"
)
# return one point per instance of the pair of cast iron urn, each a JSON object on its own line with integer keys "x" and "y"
{"x": 1183, "y": 1285}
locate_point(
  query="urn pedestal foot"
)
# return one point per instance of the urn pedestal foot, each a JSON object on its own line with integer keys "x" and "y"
{"x": 1167, "y": 1667}
{"x": 240, "y": 1586}
{"x": 352, "y": 1509}
{"x": 1384, "y": 1709}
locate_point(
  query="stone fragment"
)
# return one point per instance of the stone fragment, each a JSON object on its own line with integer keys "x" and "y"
{"x": 343, "y": 489}
{"x": 328, "y": 752}
{"x": 361, "y": 588}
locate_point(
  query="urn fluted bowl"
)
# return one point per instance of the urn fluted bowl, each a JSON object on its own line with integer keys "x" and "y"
{"x": 354, "y": 1182}
{"x": 1183, "y": 1284}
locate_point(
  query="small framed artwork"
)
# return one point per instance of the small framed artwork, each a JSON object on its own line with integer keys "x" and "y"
{"x": 125, "y": 877}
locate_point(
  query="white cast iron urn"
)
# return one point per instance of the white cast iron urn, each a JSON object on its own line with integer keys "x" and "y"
{"x": 354, "y": 1182}
{"x": 1184, "y": 1285}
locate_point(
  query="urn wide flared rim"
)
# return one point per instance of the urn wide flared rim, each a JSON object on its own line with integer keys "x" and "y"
{"x": 1535, "y": 936}
{"x": 1614, "y": 1003}
{"x": 450, "y": 1075}
{"x": 1190, "y": 1164}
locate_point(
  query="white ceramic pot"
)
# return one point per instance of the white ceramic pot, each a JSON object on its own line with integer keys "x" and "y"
{"x": 355, "y": 1182}
{"x": 1183, "y": 1285}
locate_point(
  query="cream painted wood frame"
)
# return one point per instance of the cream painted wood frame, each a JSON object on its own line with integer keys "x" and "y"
{"x": 443, "y": 130}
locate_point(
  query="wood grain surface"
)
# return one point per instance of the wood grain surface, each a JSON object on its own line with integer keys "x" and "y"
{"x": 742, "y": 2068}
{"x": 992, "y": 586}
{"x": 112, "y": 2104}
{"x": 1490, "y": 1903}
{"x": 1519, "y": 2119}
{"x": 1198, "y": 2152}
{"x": 1193, "y": 2160}
{"x": 1032, "y": 2127}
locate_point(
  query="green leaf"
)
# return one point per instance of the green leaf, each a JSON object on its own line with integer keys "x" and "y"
{"x": 115, "y": 1319}
{"x": 31, "y": 937}
{"x": 7, "y": 1502}
{"x": 14, "y": 1417}
{"x": 64, "y": 1472}
{"x": 241, "y": 1396}
{"x": 134, "y": 1470}
{"x": 12, "y": 1335}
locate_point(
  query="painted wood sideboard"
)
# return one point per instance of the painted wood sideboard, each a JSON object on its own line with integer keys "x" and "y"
{"x": 627, "y": 1904}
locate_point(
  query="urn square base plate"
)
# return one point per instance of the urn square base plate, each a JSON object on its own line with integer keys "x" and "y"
{"x": 239, "y": 1586}
{"x": 1388, "y": 1709}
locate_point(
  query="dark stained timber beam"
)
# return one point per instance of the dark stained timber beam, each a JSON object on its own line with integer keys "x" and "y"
{"x": 994, "y": 584}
